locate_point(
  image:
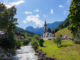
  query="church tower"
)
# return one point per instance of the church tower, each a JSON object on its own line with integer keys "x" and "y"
{"x": 45, "y": 27}
{"x": 47, "y": 35}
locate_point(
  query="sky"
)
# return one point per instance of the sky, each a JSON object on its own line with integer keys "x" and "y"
{"x": 35, "y": 12}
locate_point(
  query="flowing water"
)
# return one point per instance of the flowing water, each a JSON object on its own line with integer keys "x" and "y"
{"x": 25, "y": 53}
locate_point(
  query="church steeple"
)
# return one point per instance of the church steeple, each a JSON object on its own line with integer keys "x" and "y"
{"x": 45, "y": 23}
{"x": 45, "y": 27}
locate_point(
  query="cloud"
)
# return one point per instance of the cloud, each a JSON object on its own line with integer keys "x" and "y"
{"x": 10, "y": 4}
{"x": 37, "y": 10}
{"x": 52, "y": 12}
{"x": 28, "y": 12}
{"x": 35, "y": 19}
{"x": 60, "y": 6}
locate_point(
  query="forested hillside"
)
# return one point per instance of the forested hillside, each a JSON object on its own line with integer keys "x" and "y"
{"x": 20, "y": 30}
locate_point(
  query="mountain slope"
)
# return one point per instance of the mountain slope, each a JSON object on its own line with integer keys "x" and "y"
{"x": 54, "y": 25}
{"x": 20, "y": 30}
{"x": 62, "y": 25}
{"x": 40, "y": 30}
{"x": 63, "y": 32}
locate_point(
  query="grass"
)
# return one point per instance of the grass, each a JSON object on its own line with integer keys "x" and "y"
{"x": 69, "y": 51}
{"x": 63, "y": 32}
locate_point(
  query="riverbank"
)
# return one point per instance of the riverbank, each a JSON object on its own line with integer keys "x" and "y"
{"x": 42, "y": 56}
{"x": 6, "y": 54}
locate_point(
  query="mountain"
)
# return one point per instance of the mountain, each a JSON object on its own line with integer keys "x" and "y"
{"x": 20, "y": 30}
{"x": 39, "y": 31}
{"x": 54, "y": 25}
{"x": 63, "y": 25}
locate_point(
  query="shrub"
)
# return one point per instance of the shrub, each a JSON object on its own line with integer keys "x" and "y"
{"x": 58, "y": 41}
{"x": 77, "y": 40}
{"x": 41, "y": 41}
{"x": 77, "y": 37}
{"x": 35, "y": 44}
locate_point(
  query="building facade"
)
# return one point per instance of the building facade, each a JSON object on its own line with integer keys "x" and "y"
{"x": 47, "y": 34}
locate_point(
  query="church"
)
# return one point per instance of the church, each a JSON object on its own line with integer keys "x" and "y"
{"x": 47, "y": 34}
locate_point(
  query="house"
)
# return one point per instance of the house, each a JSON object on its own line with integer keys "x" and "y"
{"x": 20, "y": 36}
{"x": 2, "y": 34}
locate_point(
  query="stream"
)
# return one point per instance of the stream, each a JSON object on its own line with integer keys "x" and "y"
{"x": 25, "y": 53}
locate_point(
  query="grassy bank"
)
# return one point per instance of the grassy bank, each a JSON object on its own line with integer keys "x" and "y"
{"x": 69, "y": 51}
{"x": 64, "y": 32}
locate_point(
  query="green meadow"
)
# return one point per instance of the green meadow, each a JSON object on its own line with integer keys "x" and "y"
{"x": 64, "y": 31}
{"x": 68, "y": 51}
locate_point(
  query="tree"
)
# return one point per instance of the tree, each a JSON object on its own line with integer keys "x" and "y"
{"x": 4, "y": 17}
{"x": 35, "y": 44}
{"x": 74, "y": 16}
{"x": 11, "y": 26}
{"x": 35, "y": 41}
{"x": 58, "y": 40}
{"x": 8, "y": 23}
{"x": 36, "y": 37}
{"x": 41, "y": 41}
{"x": 26, "y": 34}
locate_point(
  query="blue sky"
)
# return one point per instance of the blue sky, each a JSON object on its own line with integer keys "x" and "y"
{"x": 35, "y": 12}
